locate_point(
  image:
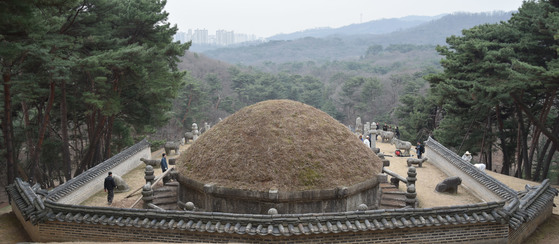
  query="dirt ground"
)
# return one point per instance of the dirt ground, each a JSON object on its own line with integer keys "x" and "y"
{"x": 428, "y": 176}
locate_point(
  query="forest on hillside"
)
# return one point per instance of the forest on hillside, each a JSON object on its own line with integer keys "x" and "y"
{"x": 345, "y": 44}
{"x": 81, "y": 80}
{"x": 491, "y": 90}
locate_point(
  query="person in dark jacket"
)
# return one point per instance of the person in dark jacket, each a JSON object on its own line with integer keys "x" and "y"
{"x": 420, "y": 149}
{"x": 110, "y": 185}
{"x": 164, "y": 166}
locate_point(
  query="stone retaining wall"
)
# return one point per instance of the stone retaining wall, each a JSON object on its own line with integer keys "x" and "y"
{"x": 212, "y": 198}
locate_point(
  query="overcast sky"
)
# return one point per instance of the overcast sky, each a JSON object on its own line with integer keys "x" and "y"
{"x": 265, "y": 18}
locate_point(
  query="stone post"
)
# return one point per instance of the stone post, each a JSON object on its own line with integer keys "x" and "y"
{"x": 411, "y": 176}
{"x": 147, "y": 195}
{"x": 411, "y": 197}
{"x": 373, "y": 135}
{"x": 149, "y": 174}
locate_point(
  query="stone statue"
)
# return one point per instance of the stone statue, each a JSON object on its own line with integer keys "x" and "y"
{"x": 121, "y": 185}
{"x": 172, "y": 145}
{"x": 416, "y": 161}
{"x": 150, "y": 162}
{"x": 195, "y": 132}
{"x": 402, "y": 145}
{"x": 367, "y": 128}
{"x": 358, "y": 126}
{"x": 156, "y": 162}
{"x": 206, "y": 126}
{"x": 386, "y": 136}
{"x": 188, "y": 136}
{"x": 449, "y": 185}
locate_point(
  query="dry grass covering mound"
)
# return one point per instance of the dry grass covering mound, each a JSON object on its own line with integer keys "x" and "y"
{"x": 279, "y": 144}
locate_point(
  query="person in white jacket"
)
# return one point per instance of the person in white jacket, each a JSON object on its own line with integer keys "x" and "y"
{"x": 367, "y": 142}
{"x": 467, "y": 156}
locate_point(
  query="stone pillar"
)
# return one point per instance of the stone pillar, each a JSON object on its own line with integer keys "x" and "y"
{"x": 147, "y": 195}
{"x": 411, "y": 176}
{"x": 411, "y": 197}
{"x": 149, "y": 174}
{"x": 373, "y": 135}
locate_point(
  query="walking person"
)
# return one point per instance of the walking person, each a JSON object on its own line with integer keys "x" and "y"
{"x": 420, "y": 149}
{"x": 110, "y": 185}
{"x": 164, "y": 166}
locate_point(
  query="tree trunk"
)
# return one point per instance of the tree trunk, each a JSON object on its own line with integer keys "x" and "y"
{"x": 41, "y": 137}
{"x": 96, "y": 136}
{"x": 108, "y": 137}
{"x": 502, "y": 138}
{"x": 541, "y": 125}
{"x": 486, "y": 146}
{"x": 548, "y": 104}
{"x": 524, "y": 147}
{"x": 547, "y": 162}
{"x": 27, "y": 127}
{"x": 541, "y": 156}
{"x": 518, "y": 172}
{"x": 66, "y": 161}
{"x": 7, "y": 128}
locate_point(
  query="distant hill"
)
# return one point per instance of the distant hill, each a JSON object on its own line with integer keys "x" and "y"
{"x": 350, "y": 46}
{"x": 376, "y": 27}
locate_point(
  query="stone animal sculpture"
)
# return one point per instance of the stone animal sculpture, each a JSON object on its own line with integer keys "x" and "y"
{"x": 155, "y": 162}
{"x": 151, "y": 162}
{"x": 121, "y": 185}
{"x": 416, "y": 161}
{"x": 480, "y": 167}
{"x": 188, "y": 136}
{"x": 386, "y": 136}
{"x": 172, "y": 145}
{"x": 449, "y": 185}
{"x": 402, "y": 145}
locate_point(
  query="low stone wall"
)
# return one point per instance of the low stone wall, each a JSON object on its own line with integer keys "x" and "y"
{"x": 212, "y": 198}
{"x": 485, "y": 233}
{"x": 83, "y": 186}
{"x": 52, "y": 221}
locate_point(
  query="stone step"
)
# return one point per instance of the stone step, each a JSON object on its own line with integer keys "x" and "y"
{"x": 165, "y": 189}
{"x": 172, "y": 183}
{"x": 166, "y": 195}
{"x": 391, "y": 197}
{"x": 399, "y": 197}
{"x": 392, "y": 191}
{"x": 389, "y": 204}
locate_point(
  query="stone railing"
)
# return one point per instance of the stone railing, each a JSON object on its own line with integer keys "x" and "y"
{"x": 83, "y": 186}
{"x": 411, "y": 195}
